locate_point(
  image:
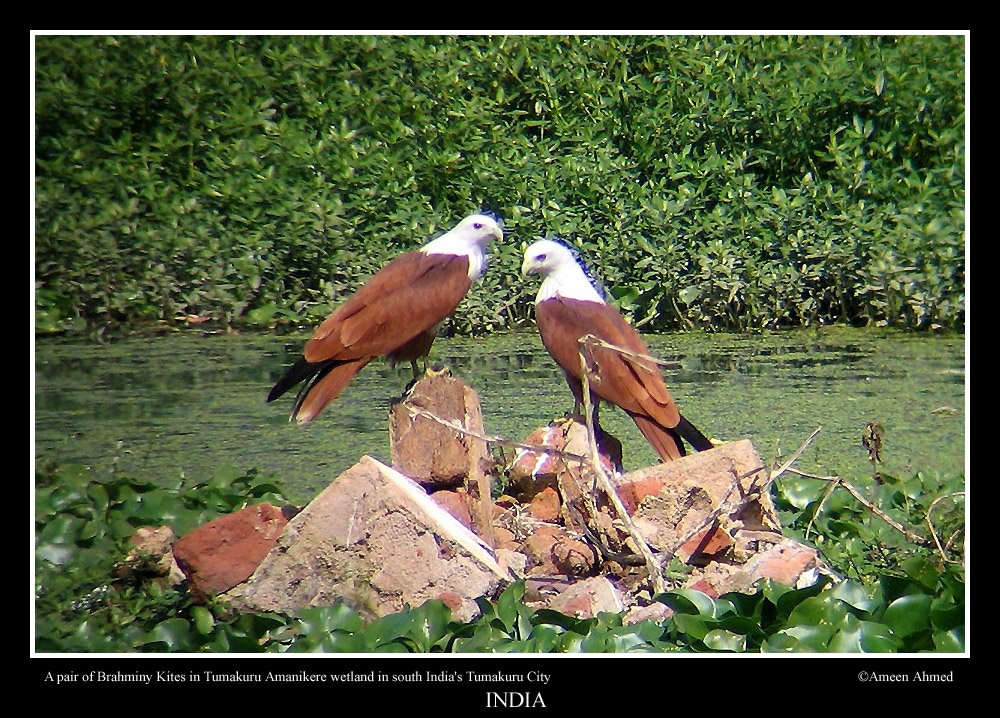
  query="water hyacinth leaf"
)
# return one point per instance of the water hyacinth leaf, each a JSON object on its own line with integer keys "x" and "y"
{"x": 799, "y": 491}
{"x": 854, "y": 594}
{"x": 483, "y": 636}
{"x": 54, "y": 553}
{"x": 64, "y": 529}
{"x": 722, "y": 640}
{"x": 686, "y": 600}
{"x": 174, "y": 634}
{"x": 946, "y": 614}
{"x": 324, "y": 619}
{"x": 909, "y": 614}
{"x": 922, "y": 570}
{"x": 817, "y": 609}
{"x": 204, "y": 621}
{"x": 857, "y": 636}
{"x": 810, "y": 639}
{"x": 789, "y": 599}
{"x": 695, "y": 626}
{"x": 952, "y": 641}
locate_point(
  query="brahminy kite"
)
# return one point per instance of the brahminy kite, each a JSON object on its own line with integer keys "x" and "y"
{"x": 568, "y": 308}
{"x": 395, "y": 315}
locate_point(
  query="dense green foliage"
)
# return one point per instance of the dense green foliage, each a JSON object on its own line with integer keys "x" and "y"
{"x": 898, "y": 597}
{"x": 727, "y": 182}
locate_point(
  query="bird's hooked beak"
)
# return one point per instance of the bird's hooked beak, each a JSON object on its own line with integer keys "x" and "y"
{"x": 528, "y": 266}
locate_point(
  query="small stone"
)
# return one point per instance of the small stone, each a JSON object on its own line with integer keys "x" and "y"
{"x": 225, "y": 552}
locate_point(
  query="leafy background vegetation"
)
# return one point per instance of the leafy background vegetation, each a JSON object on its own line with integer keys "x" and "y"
{"x": 720, "y": 182}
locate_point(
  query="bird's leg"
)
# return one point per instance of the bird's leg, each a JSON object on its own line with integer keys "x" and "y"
{"x": 416, "y": 371}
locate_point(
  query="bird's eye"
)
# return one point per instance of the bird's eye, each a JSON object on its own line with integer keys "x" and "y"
{"x": 540, "y": 258}
{"x": 477, "y": 225}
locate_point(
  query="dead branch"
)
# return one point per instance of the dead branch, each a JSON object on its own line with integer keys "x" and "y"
{"x": 794, "y": 457}
{"x": 494, "y": 439}
{"x": 930, "y": 525}
{"x": 916, "y": 538}
{"x": 652, "y": 565}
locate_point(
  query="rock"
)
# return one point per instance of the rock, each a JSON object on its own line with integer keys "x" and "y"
{"x": 533, "y": 471}
{"x": 152, "y": 555}
{"x": 713, "y": 510}
{"x": 429, "y": 452}
{"x": 455, "y": 503}
{"x": 676, "y": 501}
{"x": 374, "y": 540}
{"x": 552, "y": 551}
{"x": 437, "y": 456}
{"x": 545, "y": 505}
{"x": 705, "y": 544}
{"x": 538, "y": 548}
{"x": 786, "y": 562}
{"x": 587, "y": 598}
{"x": 655, "y": 612}
{"x": 225, "y": 552}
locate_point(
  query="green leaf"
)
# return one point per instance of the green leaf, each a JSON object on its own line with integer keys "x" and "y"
{"x": 722, "y": 640}
{"x": 952, "y": 641}
{"x": 687, "y": 600}
{"x": 909, "y": 614}
{"x": 174, "y": 634}
{"x": 854, "y": 594}
{"x": 204, "y": 621}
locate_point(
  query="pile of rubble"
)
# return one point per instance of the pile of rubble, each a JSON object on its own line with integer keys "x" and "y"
{"x": 380, "y": 537}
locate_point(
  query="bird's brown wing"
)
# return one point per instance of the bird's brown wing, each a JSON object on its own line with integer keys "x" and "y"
{"x": 629, "y": 382}
{"x": 407, "y": 297}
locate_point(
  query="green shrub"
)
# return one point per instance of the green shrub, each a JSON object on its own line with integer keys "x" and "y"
{"x": 724, "y": 182}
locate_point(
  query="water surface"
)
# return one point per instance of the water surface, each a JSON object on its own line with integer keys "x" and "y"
{"x": 185, "y": 404}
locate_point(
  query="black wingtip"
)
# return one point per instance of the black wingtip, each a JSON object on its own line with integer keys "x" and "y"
{"x": 296, "y": 373}
{"x": 692, "y": 435}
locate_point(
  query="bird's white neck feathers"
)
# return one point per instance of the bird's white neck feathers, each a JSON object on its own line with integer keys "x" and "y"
{"x": 469, "y": 238}
{"x": 561, "y": 275}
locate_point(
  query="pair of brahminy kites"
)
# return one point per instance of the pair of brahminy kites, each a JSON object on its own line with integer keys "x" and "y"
{"x": 396, "y": 315}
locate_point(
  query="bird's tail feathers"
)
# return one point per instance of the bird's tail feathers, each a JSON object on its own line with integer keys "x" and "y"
{"x": 299, "y": 371}
{"x": 329, "y": 381}
{"x": 690, "y": 433}
{"x": 665, "y": 441}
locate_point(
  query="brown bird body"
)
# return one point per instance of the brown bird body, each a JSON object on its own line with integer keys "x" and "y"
{"x": 395, "y": 315}
{"x": 567, "y": 309}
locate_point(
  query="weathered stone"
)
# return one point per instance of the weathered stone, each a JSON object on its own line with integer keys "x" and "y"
{"x": 152, "y": 555}
{"x": 429, "y": 452}
{"x": 587, "y": 598}
{"x": 514, "y": 561}
{"x": 656, "y": 612}
{"x": 505, "y": 539}
{"x": 225, "y": 552}
{"x": 545, "y": 505}
{"x": 538, "y": 548}
{"x": 786, "y": 562}
{"x": 573, "y": 556}
{"x": 766, "y": 555}
{"x": 455, "y": 503}
{"x": 533, "y": 471}
{"x": 723, "y": 487}
{"x": 437, "y": 456}
{"x": 375, "y": 540}
{"x": 705, "y": 544}
{"x": 553, "y": 551}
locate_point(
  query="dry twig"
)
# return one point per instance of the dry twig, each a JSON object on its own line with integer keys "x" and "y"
{"x": 652, "y": 565}
{"x": 916, "y": 538}
{"x": 930, "y": 525}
